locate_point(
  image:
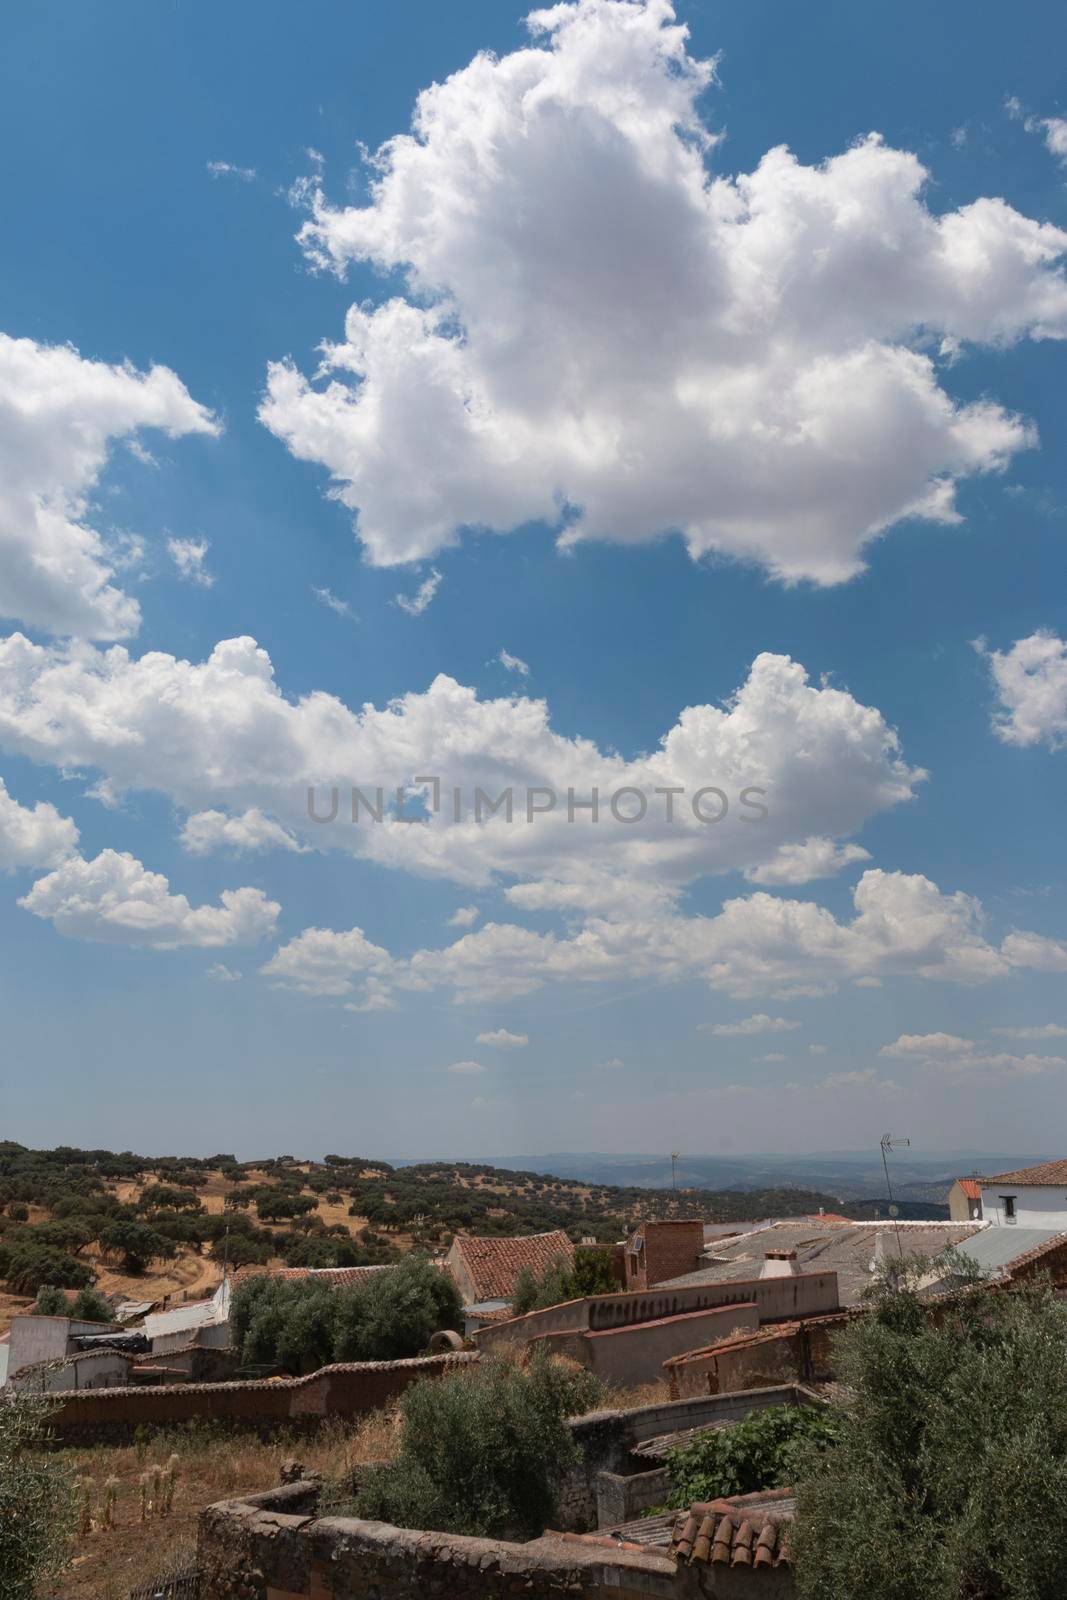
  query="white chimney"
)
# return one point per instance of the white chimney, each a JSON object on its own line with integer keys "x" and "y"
{"x": 779, "y": 1264}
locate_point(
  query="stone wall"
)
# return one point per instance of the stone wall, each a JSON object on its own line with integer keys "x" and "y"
{"x": 112, "y": 1416}
{"x": 271, "y": 1547}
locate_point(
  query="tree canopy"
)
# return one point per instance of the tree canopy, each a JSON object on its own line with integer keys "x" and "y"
{"x": 949, "y": 1477}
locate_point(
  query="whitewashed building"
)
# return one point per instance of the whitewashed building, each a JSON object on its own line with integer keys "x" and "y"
{"x": 1033, "y": 1197}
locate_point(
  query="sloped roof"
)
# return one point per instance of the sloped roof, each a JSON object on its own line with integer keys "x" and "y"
{"x": 333, "y": 1277}
{"x": 1049, "y": 1172}
{"x": 493, "y": 1264}
{"x": 971, "y": 1188}
{"x": 823, "y": 1246}
{"x": 749, "y": 1530}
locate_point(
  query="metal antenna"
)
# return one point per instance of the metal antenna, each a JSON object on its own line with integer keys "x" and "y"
{"x": 888, "y": 1143}
{"x": 674, "y": 1174}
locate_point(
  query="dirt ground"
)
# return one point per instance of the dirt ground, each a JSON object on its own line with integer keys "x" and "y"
{"x": 108, "y": 1562}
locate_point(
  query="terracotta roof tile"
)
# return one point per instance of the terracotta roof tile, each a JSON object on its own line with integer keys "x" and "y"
{"x": 971, "y": 1187}
{"x": 493, "y": 1264}
{"x": 1049, "y": 1172}
{"x": 749, "y": 1530}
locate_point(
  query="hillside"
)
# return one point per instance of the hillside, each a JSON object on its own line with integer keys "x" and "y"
{"x": 147, "y": 1227}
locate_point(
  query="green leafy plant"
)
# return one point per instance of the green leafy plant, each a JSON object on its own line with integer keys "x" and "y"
{"x": 37, "y": 1499}
{"x": 483, "y": 1451}
{"x": 762, "y": 1452}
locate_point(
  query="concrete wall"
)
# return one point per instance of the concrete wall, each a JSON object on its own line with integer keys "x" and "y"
{"x": 636, "y": 1354}
{"x": 960, "y": 1209}
{"x": 776, "y": 1299}
{"x": 98, "y": 1369}
{"x": 1035, "y": 1207}
{"x": 36, "y": 1338}
{"x": 112, "y": 1415}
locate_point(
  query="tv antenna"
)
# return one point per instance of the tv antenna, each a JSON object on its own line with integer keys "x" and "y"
{"x": 674, "y": 1169}
{"x": 888, "y": 1143}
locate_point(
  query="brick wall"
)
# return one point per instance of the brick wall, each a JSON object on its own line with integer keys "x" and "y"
{"x": 112, "y": 1415}
{"x": 671, "y": 1249}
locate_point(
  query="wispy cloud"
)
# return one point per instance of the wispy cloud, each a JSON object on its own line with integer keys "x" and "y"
{"x": 226, "y": 169}
{"x": 759, "y": 1022}
{"x": 501, "y": 1039}
{"x": 416, "y": 603}
{"x": 188, "y": 556}
{"x": 513, "y": 663}
{"x": 326, "y": 597}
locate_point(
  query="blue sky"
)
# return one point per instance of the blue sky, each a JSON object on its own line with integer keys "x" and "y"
{"x": 595, "y": 311}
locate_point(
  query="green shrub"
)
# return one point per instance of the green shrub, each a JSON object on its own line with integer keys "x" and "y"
{"x": 50, "y": 1302}
{"x": 483, "y": 1451}
{"x": 762, "y": 1452}
{"x": 36, "y": 1500}
{"x": 27, "y": 1264}
{"x": 89, "y": 1306}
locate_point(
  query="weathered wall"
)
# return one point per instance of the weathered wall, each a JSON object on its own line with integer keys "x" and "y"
{"x": 606, "y": 1441}
{"x": 636, "y": 1354}
{"x": 34, "y": 1338}
{"x": 777, "y": 1299}
{"x": 271, "y": 1546}
{"x": 799, "y": 1352}
{"x": 112, "y": 1415}
{"x": 97, "y": 1369}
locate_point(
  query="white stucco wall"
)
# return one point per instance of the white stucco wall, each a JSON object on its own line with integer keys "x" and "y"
{"x": 1035, "y": 1207}
{"x": 36, "y": 1338}
{"x": 103, "y": 1369}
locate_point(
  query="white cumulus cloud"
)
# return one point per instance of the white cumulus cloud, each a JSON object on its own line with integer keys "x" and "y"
{"x": 115, "y": 898}
{"x": 220, "y": 735}
{"x": 205, "y": 831}
{"x": 58, "y": 417}
{"x": 604, "y": 330}
{"x": 501, "y": 1039}
{"x": 36, "y": 836}
{"x": 1031, "y": 681}
{"x": 801, "y": 863}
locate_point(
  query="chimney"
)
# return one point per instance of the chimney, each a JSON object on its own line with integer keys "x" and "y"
{"x": 779, "y": 1264}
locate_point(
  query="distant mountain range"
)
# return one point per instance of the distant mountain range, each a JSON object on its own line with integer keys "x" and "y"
{"x": 850, "y": 1175}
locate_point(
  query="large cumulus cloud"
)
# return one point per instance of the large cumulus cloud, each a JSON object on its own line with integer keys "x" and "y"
{"x": 599, "y": 334}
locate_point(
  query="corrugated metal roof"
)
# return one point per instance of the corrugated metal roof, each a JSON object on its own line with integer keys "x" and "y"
{"x": 996, "y": 1248}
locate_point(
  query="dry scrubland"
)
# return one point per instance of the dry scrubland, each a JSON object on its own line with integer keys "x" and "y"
{"x": 108, "y": 1562}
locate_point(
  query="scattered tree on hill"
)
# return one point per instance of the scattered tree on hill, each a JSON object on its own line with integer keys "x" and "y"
{"x": 137, "y": 1243}
{"x": 952, "y": 1462}
{"x": 483, "y": 1451}
{"x": 36, "y": 1499}
{"x": 26, "y": 1264}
